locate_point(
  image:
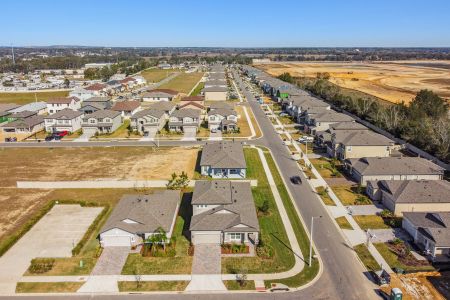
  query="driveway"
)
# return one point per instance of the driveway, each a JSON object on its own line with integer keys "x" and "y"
{"x": 215, "y": 136}
{"x": 206, "y": 269}
{"x": 386, "y": 235}
{"x": 150, "y": 136}
{"x": 358, "y": 210}
{"x": 54, "y": 235}
{"x": 190, "y": 134}
{"x": 87, "y": 134}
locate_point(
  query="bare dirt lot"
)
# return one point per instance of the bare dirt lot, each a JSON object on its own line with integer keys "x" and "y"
{"x": 418, "y": 286}
{"x": 127, "y": 163}
{"x": 394, "y": 81}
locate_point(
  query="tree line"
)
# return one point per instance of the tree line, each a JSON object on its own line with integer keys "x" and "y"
{"x": 423, "y": 123}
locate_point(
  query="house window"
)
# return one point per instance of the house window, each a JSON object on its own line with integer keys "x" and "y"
{"x": 235, "y": 236}
{"x": 234, "y": 171}
{"x": 349, "y": 148}
{"x": 202, "y": 206}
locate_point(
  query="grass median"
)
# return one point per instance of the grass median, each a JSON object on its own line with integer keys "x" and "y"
{"x": 48, "y": 287}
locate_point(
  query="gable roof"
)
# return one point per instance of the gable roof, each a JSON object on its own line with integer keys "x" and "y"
{"x": 348, "y": 126}
{"x": 394, "y": 165}
{"x": 8, "y": 106}
{"x": 196, "y": 104}
{"x": 96, "y": 87}
{"x": 186, "y": 113}
{"x": 223, "y": 154}
{"x": 233, "y": 197}
{"x": 417, "y": 191}
{"x": 126, "y": 106}
{"x": 222, "y": 112}
{"x": 433, "y": 225}
{"x": 148, "y": 211}
{"x": 62, "y": 100}
{"x": 97, "y": 99}
{"x": 167, "y": 91}
{"x": 65, "y": 114}
{"x": 149, "y": 112}
{"x": 332, "y": 116}
{"x": 103, "y": 113}
{"x": 193, "y": 98}
{"x": 33, "y": 106}
{"x": 363, "y": 138}
{"x": 162, "y": 105}
{"x": 25, "y": 123}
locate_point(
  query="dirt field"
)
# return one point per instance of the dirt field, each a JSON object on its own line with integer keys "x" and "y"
{"x": 129, "y": 163}
{"x": 392, "y": 81}
{"x": 156, "y": 75}
{"x": 417, "y": 286}
{"x": 27, "y": 97}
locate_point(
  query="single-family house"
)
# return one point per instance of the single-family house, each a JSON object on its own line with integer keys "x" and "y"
{"x": 64, "y": 120}
{"x": 223, "y": 212}
{"x": 98, "y": 89}
{"x": 392, "y": 168}
{"x": 360, "y": 143}
{"x": 430, "y": 232}
{"x": 159, "y": 95}
{"x": 224, "y": 119}
{"x": 102, "y": 121}
{"x": 129, "y": 82}
{"x": 323, "y": 138}
{"x": 56, "y": 104}
{"x": 127, "y": 108}
{"x": 223, "y": 159}
{"x": 38, "y": 107}
{"x": 87, "y": 109}
{"x": 140, "y": 80}
{"x": 148, "y": 120}
{"x": 137, "y": 217}
{"x": 322, "y": 121}
{"x": 20, "y": 115}
{"x": 400, "y": 196}
{"x": 24, "y": 126}
{"x": 81, "y": 93}
{"x": 104, "y": 102}
{"x": 186, "y": 119}
{"x": 215, "y": 93}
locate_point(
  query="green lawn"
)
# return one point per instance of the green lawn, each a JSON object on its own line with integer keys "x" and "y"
{"x": 198, "y": 89}
{"x": 28, "y": 97}
{"x": 309, "y": 272}
{"x": 233, "y": 285}
{"x": 271, "y": 227}
{"x": 343, "y": 223}
{"x": 306, "y": 170}
{"x": 183, "y": 83}
{"x": 324, "y": 196}
{"x": 367, "y": 258}
{"x": 121, "y": 132}
{"x": 180, "y": 264}
{"x": 150, "y": 286}
{"x": 371, "y": 222}
{"x": 286, "y": 120}
{"x": 156, "y": 75}
{"x": 325, "y": 167}
{"x": 48, "y": 287}
{"x": 349, "y": 195}
{"x": 394, "y": 261}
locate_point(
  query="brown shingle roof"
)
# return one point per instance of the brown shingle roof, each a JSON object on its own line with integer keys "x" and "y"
{"x": 126, "y": 106}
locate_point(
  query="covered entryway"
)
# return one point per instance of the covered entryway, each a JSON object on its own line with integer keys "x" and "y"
{"x": 205, "y": 238}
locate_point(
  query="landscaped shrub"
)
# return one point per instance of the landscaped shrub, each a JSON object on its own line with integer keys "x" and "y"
{"x": 41, "y": 265}
{"x": 386, "y": 213}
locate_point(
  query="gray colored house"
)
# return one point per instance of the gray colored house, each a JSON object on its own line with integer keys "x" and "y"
{"x": 148, "y": 120}
{"x": 136, "y": 217}
{"x": 104, "y": 102}
{"x": 102, "y": 121}
{"x": 167, "y": 107}
{"x": 223, "y": 212}
{"x": 430, "y": 232}
{"x": 224, "y": 119}
{"x": 185, "y": 119}
{"x": 392, "y": 168}
{"x": 90, "y": 108}
{"x": 224, "y": 159}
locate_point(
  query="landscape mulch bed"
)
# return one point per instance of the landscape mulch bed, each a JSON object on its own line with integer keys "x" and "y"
{"x": 408, "y": 259}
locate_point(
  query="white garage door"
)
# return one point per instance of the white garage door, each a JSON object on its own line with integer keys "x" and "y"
{"x": 206, "y": 238}
{"x": 116, "y": 241}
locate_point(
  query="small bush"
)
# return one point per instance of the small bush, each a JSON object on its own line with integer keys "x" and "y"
{"x": 386, "y": 213}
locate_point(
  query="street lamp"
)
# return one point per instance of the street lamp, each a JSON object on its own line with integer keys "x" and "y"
{"x": 311, "y": 238}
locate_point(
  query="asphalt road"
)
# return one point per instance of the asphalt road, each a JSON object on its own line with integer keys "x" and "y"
{"x": 342, "y": 277}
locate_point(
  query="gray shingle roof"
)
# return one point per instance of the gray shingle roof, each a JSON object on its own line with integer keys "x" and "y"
{"x": 361, "y": 138}
{"x": 149, "y": 112}
{"x": 433, "y": 225}
{"x": 417, "y": 191}
{"x": 97, "y": 99}
{"x": 34, "y": 106}
{"x": 187, "y": 112}
{"x": 215, "y": 89}
{"x": 8, "y": 106}
{"x": 348, "y": 126}
{"x": 25, "y": 123}
{"x": 223, "y": 154}
{"x": 148, "y": 211}
{"x": 103, "y": 114}
{"x": 162, "y": 105}
{"x": 394, "y": 165}
{"x": 65, "y": 114}
{"x": 236, "y": 206}
{"x": 332, "y": 116}
{"x": 222, "y": 112}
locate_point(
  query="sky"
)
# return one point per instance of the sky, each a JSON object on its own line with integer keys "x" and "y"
{"x": 226, "y": 23}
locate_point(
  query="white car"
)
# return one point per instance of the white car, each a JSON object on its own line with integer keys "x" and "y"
{"x": 305, "y": 139}
{"x": 283, "y": 115}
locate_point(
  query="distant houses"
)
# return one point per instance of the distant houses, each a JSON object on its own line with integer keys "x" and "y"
{"x": 159, "y": 95}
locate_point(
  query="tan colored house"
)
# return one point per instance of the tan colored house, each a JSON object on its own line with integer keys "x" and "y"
{"x": 363, "y": 143}
{"x": 401, "y": 196}
{"x": 215, "y": 93}
{"x": 392, "y": 168}
{"x": 148, "y": 120}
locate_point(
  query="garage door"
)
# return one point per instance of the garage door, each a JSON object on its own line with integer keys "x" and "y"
{"x": 116, "y": 241}
{"x": 206, "y": 238}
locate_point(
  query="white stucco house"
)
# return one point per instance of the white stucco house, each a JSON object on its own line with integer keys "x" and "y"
{"x": 64, "y": 120}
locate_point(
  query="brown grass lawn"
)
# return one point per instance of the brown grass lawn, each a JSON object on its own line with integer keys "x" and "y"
{"x": 348, "y": 195}
{"x": 128, "y": 163}
{"x": 242, "y": 124}
{"x": 156, "y": 75}
{"x": 370, "y": 222}
{"x": 324, "y": 167}
{"x": 27, "y": 97}
{"x": 48, "y": 287}
{"x": 306, "y": 170}
{"x": 343, "y": 223}
{"x": 233, "y": 285}
{"x": 324, "y": 196}
{"x": 149, "y": 286}
{"x": 183, "y": 83}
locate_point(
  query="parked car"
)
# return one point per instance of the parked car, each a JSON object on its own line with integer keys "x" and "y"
{"x": 381, "y": 277}
{"x": 11, "y": 139}
{"x": 213, "y": 130}
{"x": 305, "y": 139}
{"x": 296, "y": 180}
{"x": 49, "y": 138}
{"x": 60, "y": 133}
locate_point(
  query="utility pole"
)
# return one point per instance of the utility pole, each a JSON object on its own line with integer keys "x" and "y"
{"x": 12, "y": 52}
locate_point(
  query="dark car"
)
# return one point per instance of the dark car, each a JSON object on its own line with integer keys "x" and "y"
{"x": 296, "y": 180}
{"x": 49, "y": 138}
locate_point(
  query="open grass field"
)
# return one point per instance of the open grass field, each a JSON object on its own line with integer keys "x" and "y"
{"x": 183, "y": 83}
{"x": 130, "y": 163}
{"x": 27, "y": 97}
{"x": 156, "y": 75}
{"x": 394, "y": 81}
